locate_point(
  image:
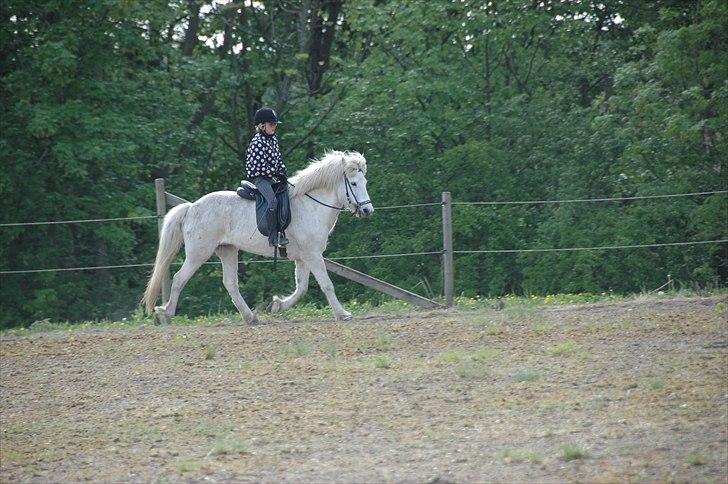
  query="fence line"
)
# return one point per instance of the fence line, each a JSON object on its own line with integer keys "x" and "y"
{"x": 78, "y": 221}
{"x": 381, "y": 256}
{"x": 391, "y": 207}
{"x": 613, "y": 199}
{"x": 495, "y": 251}
{"x": 251, "y": 261}
{"x": 408, "y": 206}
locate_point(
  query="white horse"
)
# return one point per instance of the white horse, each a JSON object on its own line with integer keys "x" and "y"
{"x": 224, "y": 223}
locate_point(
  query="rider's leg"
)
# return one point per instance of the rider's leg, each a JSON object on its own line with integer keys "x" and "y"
{"x": 264, "y": 186}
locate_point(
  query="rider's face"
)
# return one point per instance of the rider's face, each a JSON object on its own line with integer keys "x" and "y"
{"x": 270, "y": 128}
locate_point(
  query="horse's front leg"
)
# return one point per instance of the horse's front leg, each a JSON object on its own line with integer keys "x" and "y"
{"x": 302, "y": 273}
{"x": 318, "y": 268}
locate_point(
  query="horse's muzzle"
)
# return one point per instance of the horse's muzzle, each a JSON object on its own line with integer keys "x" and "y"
{"x": 363, "y": 212}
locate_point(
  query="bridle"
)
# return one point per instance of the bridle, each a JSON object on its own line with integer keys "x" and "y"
{"x": 357, "y": 205}
{"x": 349, "y": 195}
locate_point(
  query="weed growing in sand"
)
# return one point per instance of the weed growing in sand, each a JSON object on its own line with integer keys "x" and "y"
{"x": 382, "y": 362}
{"x": 229, "y": 447}
{"x": 494, "y": 329}
{"x": 655, "y": 384}
{"x": 512, "y": 456}
{"x": 470, "y": 366}
{"x": 543, "y": 328}
{"x": 383, "y": 342}
{"x": 484, "y": 354}
{"x": 211, "y": 353}
{"x": 143, "y": 432}
{"x": 572, "y": 452}
{"x": 696, "y": 460}
{"x": 564, "y": 349}
{"x": 526, "y": 376}
{"x": 452, "y": 357}
{"x": 185, "y": 465}
{"x": 210, "y": 429}
{"x": 299, "y": 349}
{"x": 330, "y": 350}
{"x": 470, "y": 371}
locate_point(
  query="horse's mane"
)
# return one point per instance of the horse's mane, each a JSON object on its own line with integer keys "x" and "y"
{"x": 327, "y": 172}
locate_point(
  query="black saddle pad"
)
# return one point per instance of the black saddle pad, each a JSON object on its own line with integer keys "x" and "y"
{"x": 248, "y": 191}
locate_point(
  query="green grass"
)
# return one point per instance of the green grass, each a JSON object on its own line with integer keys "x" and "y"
{"x": 543, "y": 328}
{"x": 564, "y": 349}
{"x": 468, "y": 371}
{"x": 383, "y": 342}
{"x": 382, "y": 362}
{"x": 299, "y": 349}
{"x": 512, "y": 456}
{"x": 572, "y": 452}
{"x": 484, "y": 354}
{"x": 452, "y": 357}
{"x": 331, "y": 350}
{"x": 230, "y": 447}
{"x": 696, "y": 460}
{"x": 509, "y": 307}
{"x": 185, "y": 465}
{"x": 654, "y": 384}
{"x": 526, "y": 376}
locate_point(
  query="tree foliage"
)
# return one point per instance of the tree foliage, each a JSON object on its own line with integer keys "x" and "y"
{"x": 491, "y": 101}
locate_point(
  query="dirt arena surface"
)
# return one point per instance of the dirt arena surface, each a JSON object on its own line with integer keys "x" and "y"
{"x": 627, "y": 391}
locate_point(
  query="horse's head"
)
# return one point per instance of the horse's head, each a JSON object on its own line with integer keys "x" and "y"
{"x": 355, "y": 185}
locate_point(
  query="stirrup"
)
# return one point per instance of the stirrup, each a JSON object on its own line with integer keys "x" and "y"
{"x": 281, "y": 241}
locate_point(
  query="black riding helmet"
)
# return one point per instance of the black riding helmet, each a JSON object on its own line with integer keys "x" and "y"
{"x": 265, "y": 115}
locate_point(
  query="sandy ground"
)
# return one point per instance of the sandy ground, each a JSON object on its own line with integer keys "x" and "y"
{"x": 629, "y": 391}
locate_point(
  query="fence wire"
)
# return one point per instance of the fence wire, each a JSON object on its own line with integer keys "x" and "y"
{"x": 606, "y": 247}
{"x": 391, "y": 207}
{"x": 59, "y": 222}
{"x": 381, "y": 256}
{"x": 377, "y": 256}
{"x": 584, "y": 200}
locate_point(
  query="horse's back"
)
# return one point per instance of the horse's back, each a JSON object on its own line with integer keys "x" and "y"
{"x": 216, "y": 211}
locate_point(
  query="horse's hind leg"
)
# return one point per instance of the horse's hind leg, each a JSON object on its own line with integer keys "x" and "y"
{"x": 192, "y": 262}
{"x": 229, "y": 258}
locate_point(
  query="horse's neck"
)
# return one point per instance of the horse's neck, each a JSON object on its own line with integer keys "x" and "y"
{"x": 326, "y": 214}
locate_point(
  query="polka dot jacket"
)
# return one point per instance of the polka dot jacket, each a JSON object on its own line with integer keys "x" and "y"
{"x": 264, "y": 157}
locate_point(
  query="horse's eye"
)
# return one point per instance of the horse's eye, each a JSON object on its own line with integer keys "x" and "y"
{"x": 353, "y": 184}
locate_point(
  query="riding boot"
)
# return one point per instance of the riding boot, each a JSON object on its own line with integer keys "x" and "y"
{"x": 275, "y": 238}
{"x": 272, "y": 221}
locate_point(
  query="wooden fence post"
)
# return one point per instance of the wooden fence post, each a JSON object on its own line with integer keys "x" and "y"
{"x": 447, "y": 259}
{"x": 161, "y": 212}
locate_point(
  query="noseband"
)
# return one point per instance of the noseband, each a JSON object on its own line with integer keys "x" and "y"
{"x": 357, "y": 204}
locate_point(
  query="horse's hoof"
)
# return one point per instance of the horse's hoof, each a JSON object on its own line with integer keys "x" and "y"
{"x": 160, "y": 317}
{"x": 346, "y": 316}
{"x": 254, "y": 322}
{"x": 276, "y": 305}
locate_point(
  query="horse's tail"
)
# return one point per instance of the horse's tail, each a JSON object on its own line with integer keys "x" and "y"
{"x": 170, "y": 241}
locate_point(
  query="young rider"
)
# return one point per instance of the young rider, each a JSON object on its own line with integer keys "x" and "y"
{"x": 264, "y": 162}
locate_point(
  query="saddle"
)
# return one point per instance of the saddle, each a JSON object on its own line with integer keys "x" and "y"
{"x": 248, "y": 191}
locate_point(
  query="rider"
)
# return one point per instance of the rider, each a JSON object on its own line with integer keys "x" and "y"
{"x": 265, "y": 162}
